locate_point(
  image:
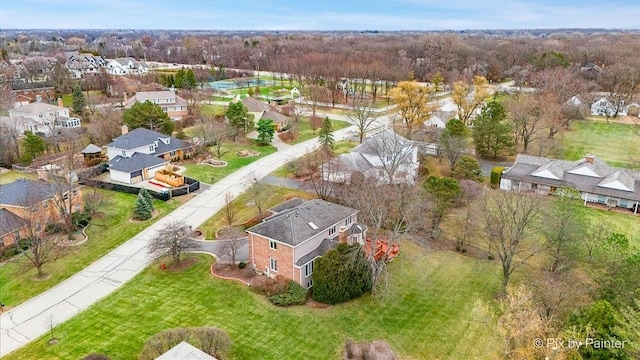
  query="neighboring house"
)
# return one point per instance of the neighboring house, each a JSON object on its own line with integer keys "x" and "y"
{"x": 604, "y": 107}
{"x": 385, "y": 156}
{"x": 596, "y": 181}
{"x": 126, "y": 66}
{"x": 138, "y": 154}
{"x": 575, "y": 100}
{"x": 26, "y": 95}
{"x": 82, "y": 65}
{"x": 297, "y": 233}
{"x": 185, "y": 351}
{"x": 43, "y": 118}
{"x": 440, "y": 119}
{"x": 261, "y": 110}
{"x": 26, "y": 203}
{"x": 172, "y": 104}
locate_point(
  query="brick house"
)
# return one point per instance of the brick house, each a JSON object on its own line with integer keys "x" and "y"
{"x": 25, "y": 203}
{"x": 297, "y": 233}
{"x": 172, "y": 104}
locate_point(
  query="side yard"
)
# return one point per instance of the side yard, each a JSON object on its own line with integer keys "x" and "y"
{"x": 105, "y": 233}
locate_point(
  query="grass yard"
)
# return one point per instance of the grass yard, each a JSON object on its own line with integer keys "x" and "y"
{"x": 212, "y": 110}
{"x": 11, "y": 176}
{"x": 105, "y": 234}
{"x": 424, "y": 314}
{"x": 210, "y": 175}
{"x": 616, "y": 144}
{"x": 67, "y": 99}
{"x": 624, "y": 223}
{"x": 340, "y": 148}
{"x": 245, "y": 210}
{"x": 305, "y": 133}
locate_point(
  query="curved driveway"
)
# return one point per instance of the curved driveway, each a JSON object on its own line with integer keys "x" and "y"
{"x": 27, "y": 322}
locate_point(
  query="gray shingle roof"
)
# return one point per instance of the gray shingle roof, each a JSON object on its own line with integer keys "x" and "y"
{"x": 10, "y": 222}
{"x": 293, "y": 226}
{"x": 144, "y": 137}
{"x": 287, "y": 205}
{"x": 326, "y": 245}
{"x": 254, "y": 105}
{"x": 384, "y": 141}
{"x": 24, "y": 192}
{"x": 351, "y": 161}
{"x": 275, "y": 116}
{"x": 91, "y": 149}
{"x": 137, "y": 162}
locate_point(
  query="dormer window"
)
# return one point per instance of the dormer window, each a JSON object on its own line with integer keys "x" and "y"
{"x": 151, "y": 148}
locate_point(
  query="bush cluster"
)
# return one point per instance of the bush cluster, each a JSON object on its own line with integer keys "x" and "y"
{"x": 496, "y": 173}
{"x": 295, "y": 295}
{"x": 341, "y": 275}
{"x": 13, "y": 250}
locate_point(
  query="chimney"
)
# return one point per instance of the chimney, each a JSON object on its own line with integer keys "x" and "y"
{"x": 342, "y": 235}
{"x": 60, "y": 103}
{"x": 589, "y": 158}
{"x": 124, "y": 129}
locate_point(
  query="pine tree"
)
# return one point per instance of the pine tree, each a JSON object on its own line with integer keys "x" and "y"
{"x": 78, "y": 102}
{"x": 33, "y": 146}
{"x": 147, "y": 197}
{"x": 265, "y": 129}
{"x": 142, "y": 209}
{"x": 325, "y": 138}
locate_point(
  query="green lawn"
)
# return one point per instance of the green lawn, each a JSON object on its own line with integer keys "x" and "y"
{"x": 616, "y": 144}
{"x": 624, "y": 223}
{"x": 105, "y": 234}
{"x": 12, "y": 176}
{"x": 210, "y": 175}
{"x": 245, "y": 210}
{"x": 212, "y": 110}
{"x": 304, "y": 129}
{"x": 67, "y": 99}
{"x": 423, "y": 314}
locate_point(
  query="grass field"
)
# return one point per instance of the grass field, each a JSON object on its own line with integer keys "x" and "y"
{"x": 305, "y": 133}
{"x": 424, "y": 314}
{"x": 67, "y": 99}
{"x": 210, "y": 175}
{"x": 245, "y": 210}
{"x": 614, "y": 143}
{"x": 12, "y": 176}
{"x": 105, "y": 234}
{"x": 212, "y": 110}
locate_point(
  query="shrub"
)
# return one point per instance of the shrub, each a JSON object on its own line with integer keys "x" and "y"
{"x": 53, "y": 228}
{"x": 467, "y": 167}
{"x": 341, "y": 274}
{"x": 81, "y": 219}
{"x": 295, "y": 295}
{"x": 242, "y": 265}
{"x": 496, "y": 173}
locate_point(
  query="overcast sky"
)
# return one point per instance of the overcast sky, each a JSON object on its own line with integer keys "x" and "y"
{"x": 319, "y": 14}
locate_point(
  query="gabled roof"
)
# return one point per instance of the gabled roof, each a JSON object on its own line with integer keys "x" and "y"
{"x": 143, "y": 96}
{"x": 10, "y": 222}
{"x": 287, "y": 205}
{"x": 140, "y": 137}
{"x": 91, "y": 149}
{"x": 386, "y": 141}
{"x": 36, "y": 108}
{"x": 254, "y": 105}
{"x": 621, "y": 180}
{"x": 25, "y": 192}
{"x": 302, "y": 222}
{"x": 136, "y": 162}
{"x": 275, "y": 116}
{"x": 351, "y": 161}
{"x": 185, "y": 351}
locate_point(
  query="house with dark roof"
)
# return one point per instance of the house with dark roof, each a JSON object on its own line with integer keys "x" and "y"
{"x": 261, "y": 110}
{"x": 138, "y": 154}
{"x": 596, "y": 181}
{"x": 25, "y": 203}
{"x": 297, "y": 233}
{"x": 172, "y": 104}
{"x": 385, "y": 156}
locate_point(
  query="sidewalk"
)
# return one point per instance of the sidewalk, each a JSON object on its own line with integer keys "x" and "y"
{"x": 26, "y": 322}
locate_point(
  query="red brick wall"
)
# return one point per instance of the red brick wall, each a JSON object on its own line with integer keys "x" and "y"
{"x": 259, "y": 254}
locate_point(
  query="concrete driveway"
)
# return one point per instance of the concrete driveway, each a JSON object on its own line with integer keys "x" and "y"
{"x": 221, "y": 249}
{"x": 27, "y": 321}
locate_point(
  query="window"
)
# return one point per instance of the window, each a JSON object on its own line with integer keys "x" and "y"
{"x": 273, "y": 245}
{"x": 348, "y": 221}
{"x": 273, "y": 264}
{"x": 309, "y": 283}
{"x": 602, "y": 199}
{"x": 151, "y": 148}
{"x": 124, "y": 153}
{"x": 332, "y": 230}
{"x": 308, "y": 269}
{"x": 172, "y": 153}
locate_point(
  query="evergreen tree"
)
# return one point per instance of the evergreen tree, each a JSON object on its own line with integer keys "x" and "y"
{"x": 142, "y": 209}
{"x": 189, "y": 81}
{"x": 148, "y": 115}
{"x": 78, "y": 102}
{"x": 492, "y": 135}
{"x": 145, "y": 193}
{"x": 325, "y": 138}
{"x": 178, "y": 80}
{"x": 341, "y": 274}
{"x": 239, "y": 117}
{"x": 265, "y": 129}
{"x": 33, "y": 146}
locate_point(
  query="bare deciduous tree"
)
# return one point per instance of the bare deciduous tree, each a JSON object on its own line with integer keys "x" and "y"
{"x": 229, "y": 208}
{"x": 510, "y": 222}
{"x": 362, "y": 116}
{"x": 172, "y": 239}
{"x": 231, "y": 243}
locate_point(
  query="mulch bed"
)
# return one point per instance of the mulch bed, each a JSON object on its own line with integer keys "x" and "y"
{"x": 246, "y": 275}
{"x": 183, "y": 265}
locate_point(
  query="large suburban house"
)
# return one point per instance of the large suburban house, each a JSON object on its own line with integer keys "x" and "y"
{"x": 81, "y": 65}
{"x": 606, "y": 107}
{"x": 596, "y": 181}
{"x": 138, "y": 154}
{"x": 385, "y": 156}
{"x": 172, "y": 104}
{"x": 261, "y": 110}
{"x": 297, "y": 233}
{"x": 30, "y": 205}
{"x": 43, "y": 118}
{"x": 126, "y": 66}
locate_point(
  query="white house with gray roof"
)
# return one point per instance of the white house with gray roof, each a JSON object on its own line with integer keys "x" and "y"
{"x": 168, "y": 100}
{"x": 41, "y": 118}
{"x": 297, "y": 233}
{"x": 126, "y": 66}
{"x": 138, "y": 154}
{"x": 596, "y": 181}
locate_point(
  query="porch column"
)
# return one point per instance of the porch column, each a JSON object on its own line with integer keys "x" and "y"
{"x": 635, "y": 211}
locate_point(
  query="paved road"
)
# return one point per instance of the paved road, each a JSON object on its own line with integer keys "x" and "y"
{"x": 26, "y": 322}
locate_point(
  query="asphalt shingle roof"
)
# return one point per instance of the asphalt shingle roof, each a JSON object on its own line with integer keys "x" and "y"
{"x": 144, "y": 137}
{"x": 25, "y": 192}
{"x": 292, "y": 227}
{"x": 10, "y": 222}
{"x": 137, "y": 162}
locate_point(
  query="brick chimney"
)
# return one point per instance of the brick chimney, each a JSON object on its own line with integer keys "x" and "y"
{"x": 60, "y": 102}
{"x": 124, "y": 129}
{"x": 589, "y": 158}
{"x": 342, "y": 235}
